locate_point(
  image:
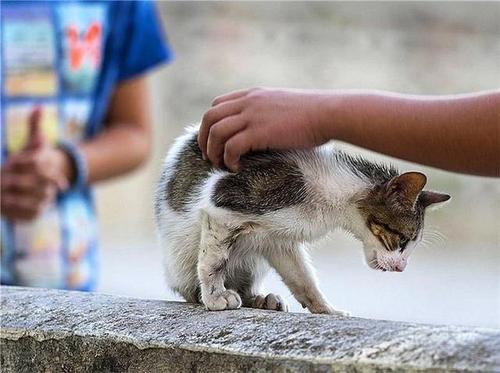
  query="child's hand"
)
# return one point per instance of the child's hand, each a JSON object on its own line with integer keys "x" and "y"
{"x": 31, "y": 178}
{"x": 455, "y": 133}
{"x": 259, "y": 119}
{"x": 30, "y": 181}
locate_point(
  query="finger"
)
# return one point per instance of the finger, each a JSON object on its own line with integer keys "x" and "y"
{"x": 219, "y": 133}
{"x": 35, "y": 135}
{"x": 211, "y": 117}
{"x": 43, "y": 194}
{"x": 230, "y": 96}
{"x": 29, "y": 163}
{"x": 21, "y": 183}
{"x": 22, "y": 162}
{"x": 16, "y": 208}
{"x": 235, "y": 147}
{"x": 14, "y": 214}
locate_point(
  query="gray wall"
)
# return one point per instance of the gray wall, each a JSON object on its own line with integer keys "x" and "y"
{"x": 422, "y": 48}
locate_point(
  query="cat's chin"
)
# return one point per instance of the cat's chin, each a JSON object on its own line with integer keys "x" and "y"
{"x": 378, "y": 267}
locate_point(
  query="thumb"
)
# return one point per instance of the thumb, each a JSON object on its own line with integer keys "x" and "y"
{"x": 35, "y": 135}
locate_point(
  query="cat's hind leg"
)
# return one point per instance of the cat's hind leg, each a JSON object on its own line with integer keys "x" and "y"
{"x": 271, "y": 301}
{"x": 246, "y": 270}
{"x": 215, "y": 246}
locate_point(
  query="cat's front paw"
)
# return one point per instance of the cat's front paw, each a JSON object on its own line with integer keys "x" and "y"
{"x": 339, "y": 313}
{"x": 270, "y": 302}
{"x": 227, "y": 300}
{"x": 328, "y": 310}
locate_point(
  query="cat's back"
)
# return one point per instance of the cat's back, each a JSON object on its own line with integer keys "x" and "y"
{"x": 184, "y": 170}
{"x": 267, "y": 181}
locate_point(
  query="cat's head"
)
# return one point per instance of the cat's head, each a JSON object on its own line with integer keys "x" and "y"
{"x": 393, "y": 213}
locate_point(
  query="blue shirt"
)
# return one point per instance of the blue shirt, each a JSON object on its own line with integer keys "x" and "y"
{"x": 66, "y": 57}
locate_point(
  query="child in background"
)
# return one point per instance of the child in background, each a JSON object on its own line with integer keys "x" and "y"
{"x": 74, "y": 111}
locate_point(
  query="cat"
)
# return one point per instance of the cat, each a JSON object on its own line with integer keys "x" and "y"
{"x": 220, "y": 231}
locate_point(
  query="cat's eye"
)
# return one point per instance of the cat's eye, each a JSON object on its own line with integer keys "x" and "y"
{"x": 403, "y": 241}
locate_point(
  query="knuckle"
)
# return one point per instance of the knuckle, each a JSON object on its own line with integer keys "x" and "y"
{"x": 200, "y": 138}
{"x": 207, "y": 117}
{"x": 215, "y": 133}
{"x": 204, "y": 120}
{"x": 255, "y": 97}
{"x": 216, "y": 100}
{"x": 250, "y": 98}
{"x": 260, "y": 91}
{"x": 230, "y": 149}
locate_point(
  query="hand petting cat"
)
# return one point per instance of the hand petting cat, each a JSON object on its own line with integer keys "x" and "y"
{"x": 260, "y": 119}
{"x": 457, "y": 133}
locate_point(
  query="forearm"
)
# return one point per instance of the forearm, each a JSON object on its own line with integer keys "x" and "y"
{"x": 115, "y": 151}
{"x": 125, "y": 142}
{"x": 456, "y": 133}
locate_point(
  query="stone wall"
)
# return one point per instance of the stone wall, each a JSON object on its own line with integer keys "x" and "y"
{"x": 62, "y": 331}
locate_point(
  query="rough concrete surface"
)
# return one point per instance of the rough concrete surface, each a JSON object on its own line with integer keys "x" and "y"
{"x": 62, "y": 331}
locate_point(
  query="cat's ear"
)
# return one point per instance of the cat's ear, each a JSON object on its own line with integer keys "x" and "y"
{"x": 427, "y": 198}
{"x": 407, "y": 185}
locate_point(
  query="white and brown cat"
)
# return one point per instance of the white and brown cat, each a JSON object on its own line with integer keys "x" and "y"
{"x": 220, "y": 231}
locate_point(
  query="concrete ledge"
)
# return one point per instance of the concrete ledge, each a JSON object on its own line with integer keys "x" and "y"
{"x": 62, "y": 331}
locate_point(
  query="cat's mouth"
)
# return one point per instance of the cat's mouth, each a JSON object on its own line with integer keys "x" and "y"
{"x": 376, "y": 266}
{"x": 391, "y": 266}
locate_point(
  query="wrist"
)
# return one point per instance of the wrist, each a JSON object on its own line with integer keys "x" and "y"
{"x": 332, "y": 117}
{"x": 73, "y": 164}
{"x": 64, "y": 165}
{"x": 345, "y": 113}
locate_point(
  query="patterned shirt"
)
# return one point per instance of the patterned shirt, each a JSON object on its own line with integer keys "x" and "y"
{"x": 65, "y": 57}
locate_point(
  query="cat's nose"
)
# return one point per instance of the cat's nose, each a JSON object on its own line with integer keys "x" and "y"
{"x": 399, "y": 267}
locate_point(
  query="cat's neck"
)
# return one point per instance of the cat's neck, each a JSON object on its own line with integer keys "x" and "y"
{"x": 330, "y": 180}
{"x": 336, "y": 181}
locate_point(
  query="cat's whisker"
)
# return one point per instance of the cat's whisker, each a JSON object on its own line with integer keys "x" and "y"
{"x": 433, "y": 238}
{"x": 436, "y": 238}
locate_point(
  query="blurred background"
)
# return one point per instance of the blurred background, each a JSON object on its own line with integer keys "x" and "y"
{"x": 420, "y": 48}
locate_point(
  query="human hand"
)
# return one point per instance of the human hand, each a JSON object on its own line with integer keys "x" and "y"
{"x": 260, "y": 119}
{"x": 31, "y": 178}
